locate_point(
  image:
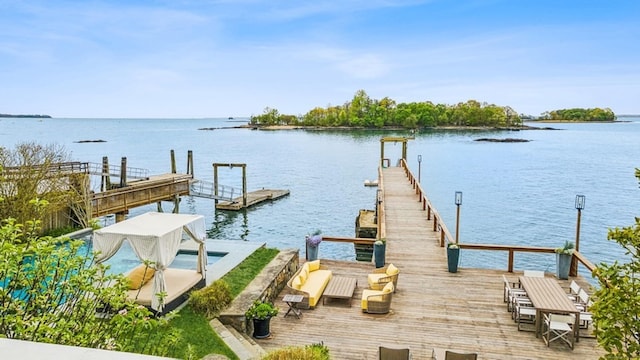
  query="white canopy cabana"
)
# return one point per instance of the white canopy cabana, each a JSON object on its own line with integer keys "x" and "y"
{"x": 154, "y": 237}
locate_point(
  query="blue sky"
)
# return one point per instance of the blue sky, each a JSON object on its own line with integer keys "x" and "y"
{"x": 219, "y": 58}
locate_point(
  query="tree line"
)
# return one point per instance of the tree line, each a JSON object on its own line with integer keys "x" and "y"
{"x": 365, "y": 112}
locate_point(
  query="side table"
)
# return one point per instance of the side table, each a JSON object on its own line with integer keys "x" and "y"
{"x": 293, "y": 301}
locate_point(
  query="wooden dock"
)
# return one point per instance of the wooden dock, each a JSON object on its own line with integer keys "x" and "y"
{"x": 253, "y": 198}
{"x": 431, "y": 307}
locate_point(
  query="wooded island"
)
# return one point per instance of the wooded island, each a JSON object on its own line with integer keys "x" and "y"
{"x": 365, "y": 112}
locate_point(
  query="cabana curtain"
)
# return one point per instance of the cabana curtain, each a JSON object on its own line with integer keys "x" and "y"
{"x": 154, "y": 237}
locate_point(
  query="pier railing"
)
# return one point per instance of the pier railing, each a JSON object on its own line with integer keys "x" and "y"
{"x": 445, "y": 235}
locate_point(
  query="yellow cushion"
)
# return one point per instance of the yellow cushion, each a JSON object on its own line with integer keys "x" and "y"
{"x": 392, "y": 270}
{"x": 140, "y": 276}
{"x": 388, "y": 288}
{"x": 306, "y": 267}
{"x": 314, "y": 265}
{"x": 296, "y": 283}
{"x": 303, "y": 275}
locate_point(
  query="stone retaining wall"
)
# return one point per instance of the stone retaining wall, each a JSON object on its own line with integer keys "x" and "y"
{"x": 266, "y": 286}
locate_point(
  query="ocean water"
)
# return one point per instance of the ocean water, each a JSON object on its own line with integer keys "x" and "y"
{"x": 513, "y": 193}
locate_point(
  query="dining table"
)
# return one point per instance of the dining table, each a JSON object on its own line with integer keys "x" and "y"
{"x": 548, "y": 297}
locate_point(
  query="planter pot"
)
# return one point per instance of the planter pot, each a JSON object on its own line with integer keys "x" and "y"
{"x": 312, "y": 253}
{"x": 563, "y": 265}
{"x": 453, "y": 255}
{"x": 379, "y": 254}
{"x": 261, "y": 328}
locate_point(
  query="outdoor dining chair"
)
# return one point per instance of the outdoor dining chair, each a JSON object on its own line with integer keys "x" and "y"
{"x": 386, "y": 353}
{"x": 556, "y": 327}
{"x": 452, "y": 355}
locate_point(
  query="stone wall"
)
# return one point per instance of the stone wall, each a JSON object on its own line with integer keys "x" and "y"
{"x": 266, "y": 286}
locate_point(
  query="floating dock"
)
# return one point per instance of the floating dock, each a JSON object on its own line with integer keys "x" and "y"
{"x": 253, "y": 198}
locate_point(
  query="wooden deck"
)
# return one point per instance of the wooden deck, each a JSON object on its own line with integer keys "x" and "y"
{"x": 253, "y": 198}
{"x": 431, "y": 307}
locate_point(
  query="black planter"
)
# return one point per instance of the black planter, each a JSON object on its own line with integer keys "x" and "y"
{"x": 453, "y": 255}
{"x": 261, "y": 328}
{"x": 379, "y": 254}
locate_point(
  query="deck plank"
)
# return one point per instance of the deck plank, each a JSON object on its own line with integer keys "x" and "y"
{"x": 431, "y": 307}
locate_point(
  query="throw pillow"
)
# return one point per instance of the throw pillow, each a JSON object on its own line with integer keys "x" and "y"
{"x": 140, "y": 276}
{"x": 388, "y": 288}
{"x": 314, "y": 265}
{"x": 392, "y": 270}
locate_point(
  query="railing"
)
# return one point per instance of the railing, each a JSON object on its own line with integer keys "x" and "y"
{"x": 432, "y": 213}
{"x": 445, "y": 235}
{"x": 380, "y": 213}
{"x": 357, "y": 241}
{"x": 115, "y": 170}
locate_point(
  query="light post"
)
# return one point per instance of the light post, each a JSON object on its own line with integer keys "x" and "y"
{"x": 580, "y": 200}
{"x": 458, "y": 203}
{"x": 419, "y": 161}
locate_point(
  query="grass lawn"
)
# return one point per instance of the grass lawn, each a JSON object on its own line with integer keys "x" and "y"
{"x": 195, "y": 328}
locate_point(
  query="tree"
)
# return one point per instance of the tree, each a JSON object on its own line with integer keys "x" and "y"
{"x": 616, "y": 308}
{"x": 51, "y": 291}
{"x": 31, "y": 171}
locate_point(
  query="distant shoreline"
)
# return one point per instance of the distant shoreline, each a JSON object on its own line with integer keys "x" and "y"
{"x": 25, "y": 116}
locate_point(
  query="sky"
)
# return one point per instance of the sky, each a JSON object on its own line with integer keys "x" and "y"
{"x": 220, "y": 58}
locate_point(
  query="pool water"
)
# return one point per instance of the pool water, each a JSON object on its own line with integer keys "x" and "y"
{"x": 125, "y": 259}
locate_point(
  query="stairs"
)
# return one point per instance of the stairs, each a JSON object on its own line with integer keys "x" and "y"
{"x": 244, "y": 347}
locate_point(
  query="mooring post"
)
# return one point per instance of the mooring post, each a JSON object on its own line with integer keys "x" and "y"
{"x": 123, "y": 172}
{"x": 173, "y": 161}
{"x": 215, "y": 184}
{"x": 244, "y": 185}
{"x": 190, "y": 170}
{"x": 105, "y": 179}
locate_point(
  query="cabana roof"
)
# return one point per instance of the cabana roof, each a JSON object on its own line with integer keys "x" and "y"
{"x": 152, "y": 224}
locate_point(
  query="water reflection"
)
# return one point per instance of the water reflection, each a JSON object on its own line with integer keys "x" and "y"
{"x": 229, "y": 225}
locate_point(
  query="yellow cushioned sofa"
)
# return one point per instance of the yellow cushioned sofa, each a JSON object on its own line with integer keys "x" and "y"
{"x": 310, "y": 281}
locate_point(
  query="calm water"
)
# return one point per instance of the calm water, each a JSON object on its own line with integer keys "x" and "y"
{"x": 513, "y": 193}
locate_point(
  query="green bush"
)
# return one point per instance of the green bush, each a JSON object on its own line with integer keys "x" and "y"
{"x": 212, "y": 299}
{"x": 307, "y": 352}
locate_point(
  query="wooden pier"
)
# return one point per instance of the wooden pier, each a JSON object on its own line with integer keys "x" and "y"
{"x": 253, "y": 198}
{"x": 431, "y": 307}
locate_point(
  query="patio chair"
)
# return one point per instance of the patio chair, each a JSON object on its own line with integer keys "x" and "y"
{"x": 381, "y": 276}
{"x": 556, "y": 327}
{"x": 385, "y": 353}
{"x": 452, "y": 355}
{"x": 377, "y": 301}
{"x": 510, "y": 291}
{"x": 524, "y": 313}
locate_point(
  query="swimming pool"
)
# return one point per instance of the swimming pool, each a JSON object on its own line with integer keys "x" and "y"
{"x": 125, "y": 259}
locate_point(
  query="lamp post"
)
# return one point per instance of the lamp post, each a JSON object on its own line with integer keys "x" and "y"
{"x": 458, "y": 202}
{"x": 580, "y": 200}
{"x": 419, "y": 161}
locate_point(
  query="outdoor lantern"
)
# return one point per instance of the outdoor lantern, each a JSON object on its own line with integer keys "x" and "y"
{"x": 580, "y": 202}
{"x": 459, "y": 198}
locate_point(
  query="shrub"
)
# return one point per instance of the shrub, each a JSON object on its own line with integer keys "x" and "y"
{"x": 307, "y": 352}
{"x": 212, "y": 299}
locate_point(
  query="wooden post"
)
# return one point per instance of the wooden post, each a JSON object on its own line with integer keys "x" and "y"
{"x": 190, "y": 170}
{"x": 244, "y": 185}
{"x": 382, "y": 152}
{"x": 215, "y": 184}
{"x": 105, "y": 179}
{"x": 123, "y": 172}
{"x": 173, "y": 162}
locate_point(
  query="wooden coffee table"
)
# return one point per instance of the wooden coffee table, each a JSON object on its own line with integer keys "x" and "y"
{"x": 340, "y": 287}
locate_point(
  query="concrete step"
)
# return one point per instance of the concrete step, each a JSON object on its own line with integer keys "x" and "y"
{"x": 242, "y": 345}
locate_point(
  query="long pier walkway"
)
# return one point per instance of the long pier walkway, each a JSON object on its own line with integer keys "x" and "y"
{"x": 431, "y": 307}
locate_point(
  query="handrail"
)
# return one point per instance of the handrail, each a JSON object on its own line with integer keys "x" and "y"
{"x": 445, "y": 235}
{"x": 381, "y": 216}
{"x": 438, "y": 223}
{"x": 359, "y": 241}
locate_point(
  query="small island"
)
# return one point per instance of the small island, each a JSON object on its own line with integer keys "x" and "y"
{"x": 30, "y": 116}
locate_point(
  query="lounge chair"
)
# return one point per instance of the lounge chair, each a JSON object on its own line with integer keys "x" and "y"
{"x": 381, "y": 276}
{"x": 377, "y": 301}
{"x": 385, "y": 353}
